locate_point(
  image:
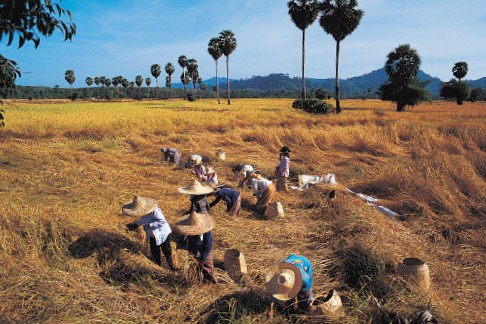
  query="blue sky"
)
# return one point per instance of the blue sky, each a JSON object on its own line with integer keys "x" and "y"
{"x": 126, "y": 37}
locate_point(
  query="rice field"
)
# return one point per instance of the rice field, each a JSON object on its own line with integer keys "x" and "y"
{"x": 66, "y": 169}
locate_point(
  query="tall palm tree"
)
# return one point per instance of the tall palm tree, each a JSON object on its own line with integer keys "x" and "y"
{"x": 182, "y": 60}
{"x": 70, "y": 78}
{"x": 339, "y": 18}
{"x": 89, "y": 82}
{"x": 169, "y": 69}
{"x": 215, "y": 51}
{"x": 303, "y": 13}
{"x": 155, "y": 71}
{"x": 459, "y": 70}
{"x": 227, "y": 43}
{"x": 125, "y": 84}
{"x": 139, "y": 82}
{"x": 192, "y": 71}
{"x": 148, "y": 81}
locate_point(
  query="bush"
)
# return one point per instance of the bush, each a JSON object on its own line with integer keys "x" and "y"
{"x": 191, "y": 97}
{"x": 314, "y": 106}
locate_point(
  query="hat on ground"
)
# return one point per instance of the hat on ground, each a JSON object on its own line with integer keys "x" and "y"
{"x": 284, "y": 283}
{"x": 139, "y": 206}
{"x": 194, "y": 224}
{"x": 285, "y": 149}
{"x": 196, "y": 188}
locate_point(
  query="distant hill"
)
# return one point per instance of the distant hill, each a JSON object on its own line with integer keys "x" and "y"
{"x": 352, "y": 87}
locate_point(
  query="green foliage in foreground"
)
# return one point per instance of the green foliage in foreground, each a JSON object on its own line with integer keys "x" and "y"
{"x": 313, "y": 106}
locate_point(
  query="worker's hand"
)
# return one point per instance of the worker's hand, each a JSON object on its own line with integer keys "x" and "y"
{"x": 270, "y": 311}
{"x": 132, "y": 226}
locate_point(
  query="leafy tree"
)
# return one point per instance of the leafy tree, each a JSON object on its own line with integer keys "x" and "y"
{"x": 139, "y": 82}
{"x": 182, "y": 60}
{"x": 227, "y": 43}
{"x": 70, "y": 78}
{"x": 477, "y": 94}
{"x": 339, "y": 18}
{"x": 459, "y": 70}
{"x": 155, "y": 71}
{"x": 169, "y": 69}
{"x": 403, "y": 87}
{"x": 460, "y": 90}
{"x": 148, "y": 81}
{"x": 125, "y": 84}
{"x": 303, "y": 13}
{"x": 185, "y": 81}
{"x": 215, "y": 51}
{"x": 28, "y": 19}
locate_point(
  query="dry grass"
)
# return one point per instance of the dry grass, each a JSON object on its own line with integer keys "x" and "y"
{"x": 67, "y": 168}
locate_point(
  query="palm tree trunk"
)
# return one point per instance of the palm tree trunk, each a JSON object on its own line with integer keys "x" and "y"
{"x": 156, "y": 88}
{"x": 227, "y": 79}
{"x": 217, "y": 83}
{"x": 338, "y": 99}
{"x": 304, "y": 95}
{"x": 185, "y": 87}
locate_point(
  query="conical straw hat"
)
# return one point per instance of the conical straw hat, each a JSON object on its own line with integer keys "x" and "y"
{"x": 139, "y": 206}
{"x": 285, "y": 283}
{"x": 194, "y": 224}
{"x": 196, "y": 188}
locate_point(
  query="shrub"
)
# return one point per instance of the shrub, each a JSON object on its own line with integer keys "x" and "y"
{"x": 191, "y": 97}
{"x": 298, "y": 104}
{"x": 314, "y": 106}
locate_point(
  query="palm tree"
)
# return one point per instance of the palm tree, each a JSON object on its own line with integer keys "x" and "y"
{"x": 148, "y": 81}
{"x": 339, "y": 18}
{"x": 116, "y": 81}
{"x": 125, "y": 84}
{"x": 185, "y": 80}
{"x": 89, "y": 82}
{"x": 459, "y": 70}
{"x": 155, "y": 71}
{"x": 169, "y": 69}
{"x": 215, "y": 51}
{"x": 70, "y": 78}
{"x": 139, "y": 82}
{"x": 182, "y": 60}
{"x": 192, "y": 71}
{"x": 227, "y": 43}
{"x": 303, "y": 13}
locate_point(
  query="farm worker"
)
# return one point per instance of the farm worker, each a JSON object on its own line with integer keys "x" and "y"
{"x": 157, "y": 230}
{"x": 211, "y": 177}
{"x": 231, "y": 197}
{"x": 171, "y": 155}
{"x": 283, "y": 169}
{"x": 198, "y": 196}
{"x": 241, "y": 175}
{"x": 196, "y": 229}
{"x": 290, "y": 286}
{"x": 263, "y": 190}
{"x": 198, "y": 168}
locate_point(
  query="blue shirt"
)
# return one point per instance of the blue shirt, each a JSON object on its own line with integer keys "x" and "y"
{"x": 229, "y": 196}
{"x": 305, "y": 268}
{"x": 200, "y": 245}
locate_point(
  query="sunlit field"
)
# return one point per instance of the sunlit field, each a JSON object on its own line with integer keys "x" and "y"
{"x": 66, "y": 169}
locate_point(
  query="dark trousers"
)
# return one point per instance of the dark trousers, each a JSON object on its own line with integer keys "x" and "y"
{"x": 166, "y": 249}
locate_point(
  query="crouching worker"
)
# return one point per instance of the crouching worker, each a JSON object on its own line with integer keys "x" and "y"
{"x": 157, "y": 230}
{"x": 196, "y": 229}
{"x": 263, "y": 190}
{"x": 171, "y": 155}
{"x": 198, "y": 196}
{"x": 290, "y": 286}
{"x": 232, "y": 199}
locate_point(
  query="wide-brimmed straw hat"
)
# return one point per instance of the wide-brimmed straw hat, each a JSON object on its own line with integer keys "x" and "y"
{"x": 139, "y": 206}
{"x": 194, "y": 224}
{"x": 285, "y": 149}
{"x": 196, "y": 188}
{"x": 284, "y": 283}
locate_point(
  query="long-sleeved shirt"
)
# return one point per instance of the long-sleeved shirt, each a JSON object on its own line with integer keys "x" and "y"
{"x": 155, "y": 225}
{"x": 284, "y": 167}
{"x": 200, "y": 245}
{"x": 305, "y": 268}
{"x": 199, "y": 204}
{"x": 199, "y": 170}
{"x": 171, "y": 155}
{"x": 259, "y": 186}
{"x": 229, "y": 196}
